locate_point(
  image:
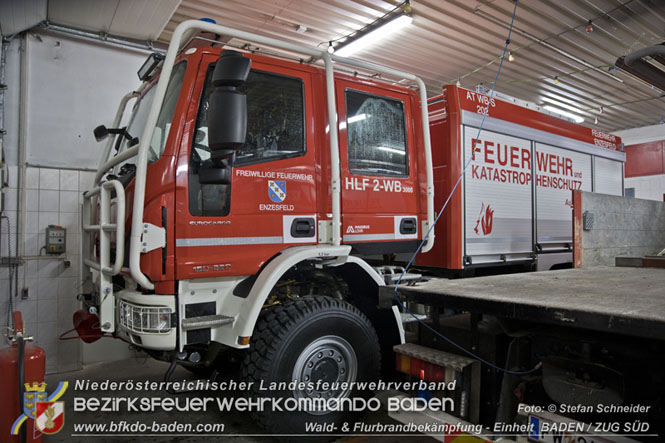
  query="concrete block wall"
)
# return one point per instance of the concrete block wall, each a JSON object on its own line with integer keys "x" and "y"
{"x": 52, "y": 196}
{"x": 622, "y": 226}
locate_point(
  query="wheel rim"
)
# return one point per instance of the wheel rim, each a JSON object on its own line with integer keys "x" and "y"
{"x": 329, "y": 359}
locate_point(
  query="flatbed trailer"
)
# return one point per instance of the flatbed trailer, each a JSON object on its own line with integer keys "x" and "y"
{"x": 594, "y": 336}
{"x": 628, "y": 301}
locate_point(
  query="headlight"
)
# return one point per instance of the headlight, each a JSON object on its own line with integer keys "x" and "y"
{"x": 144, "y": 319}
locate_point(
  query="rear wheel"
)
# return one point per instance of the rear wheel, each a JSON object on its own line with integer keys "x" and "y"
{"x": 326, "y": 344}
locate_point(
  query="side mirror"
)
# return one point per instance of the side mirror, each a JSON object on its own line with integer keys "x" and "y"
{"x": 100, "y": 132}
{"x": 227, "y": 115}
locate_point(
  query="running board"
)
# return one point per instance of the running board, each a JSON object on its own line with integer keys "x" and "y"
{"x": 205, "y": 321}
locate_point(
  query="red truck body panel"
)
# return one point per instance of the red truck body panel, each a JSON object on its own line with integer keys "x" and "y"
{"x": 447, "y": 114}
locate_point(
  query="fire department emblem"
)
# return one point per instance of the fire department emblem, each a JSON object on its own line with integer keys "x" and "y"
{"x": 277, "y": 190}
{"x": 49, "y": 416}
{"x": 34, "y": 392}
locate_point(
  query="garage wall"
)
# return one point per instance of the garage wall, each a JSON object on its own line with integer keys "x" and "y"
{"x": 650, "y": 187}
{"x": 621, "y": 226}
{"x": 645, "y": 161}
{"x": 644, "y": 134}
{"x": 73, "y": 85}
{"x": 645, "y": 169}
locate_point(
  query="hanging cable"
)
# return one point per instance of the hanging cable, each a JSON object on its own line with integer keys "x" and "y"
{"x": 443, "y": 208}
{"x": 543, "y": 40}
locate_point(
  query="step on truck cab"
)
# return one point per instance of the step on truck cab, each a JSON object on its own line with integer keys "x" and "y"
{"x": 234, "y": 210}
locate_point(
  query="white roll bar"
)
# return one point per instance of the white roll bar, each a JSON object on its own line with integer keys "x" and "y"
{"x": 181, "y": 35}
{"x": 116, "y": 123}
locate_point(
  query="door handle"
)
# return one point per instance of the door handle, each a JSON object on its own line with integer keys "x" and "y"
{"x": 408, "y": 226}
{"x": 302, "y": 227}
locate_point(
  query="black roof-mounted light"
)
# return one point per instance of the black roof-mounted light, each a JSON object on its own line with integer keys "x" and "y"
{"x": 638, "y": 64}
{"x": 147, "y": 70}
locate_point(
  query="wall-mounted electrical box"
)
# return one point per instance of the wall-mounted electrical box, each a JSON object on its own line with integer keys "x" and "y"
{"x": 56, "y": 239}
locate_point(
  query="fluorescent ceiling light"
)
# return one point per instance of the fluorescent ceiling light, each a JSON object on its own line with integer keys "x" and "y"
{"x": 371, "y": 37}
{"x": 563, "y": 105}
{"x": 392, "y": 150}
{"x": 576, "y": 118}
{"x": 356, "y": 118}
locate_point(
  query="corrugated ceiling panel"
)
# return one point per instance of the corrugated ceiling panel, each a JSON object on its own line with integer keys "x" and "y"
{"x": 142, "y": 19}
{"x": 92, "y": 16}
{"x": 462, "y": 39}
{"x": 448, "y": 40}
{"x": 139, "y": 19}
{"x": 19, "y": 15}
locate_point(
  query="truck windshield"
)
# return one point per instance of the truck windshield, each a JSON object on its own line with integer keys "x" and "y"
{"x": 142, "y": 109}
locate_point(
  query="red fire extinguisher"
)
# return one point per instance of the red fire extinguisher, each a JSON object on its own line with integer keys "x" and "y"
{"x": 20, "y": 364}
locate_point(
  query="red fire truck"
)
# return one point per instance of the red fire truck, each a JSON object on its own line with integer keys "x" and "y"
{"x": 234, "y": 209}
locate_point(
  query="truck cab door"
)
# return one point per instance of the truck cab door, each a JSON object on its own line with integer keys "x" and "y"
{"x": 232, "y": 229}
{"x": 380, "y": 204}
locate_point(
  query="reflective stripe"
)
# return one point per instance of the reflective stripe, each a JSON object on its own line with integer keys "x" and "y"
{"x": 368, "y": 237}
{"x": 227, "y": 241}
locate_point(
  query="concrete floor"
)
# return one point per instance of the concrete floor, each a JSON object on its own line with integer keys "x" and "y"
{"x": 238, "y": 426}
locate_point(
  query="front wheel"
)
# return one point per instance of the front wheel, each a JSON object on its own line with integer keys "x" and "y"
{"x": 327, "y": 346}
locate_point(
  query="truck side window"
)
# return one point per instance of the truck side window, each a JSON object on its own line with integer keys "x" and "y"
{"x": 165, "y": 117}
{"x": 275, "y": 118}
{"x": 376, "y": 135}
{"x": 140, "y": 116}
{"x": 205, "y": 199}
{"x": 275, "y": 131}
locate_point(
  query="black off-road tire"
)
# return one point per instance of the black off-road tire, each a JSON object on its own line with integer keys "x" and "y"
{"x": 287, "y": 334}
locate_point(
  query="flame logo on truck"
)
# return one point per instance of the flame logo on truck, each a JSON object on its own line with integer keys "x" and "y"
{"x": 485, "y": 220}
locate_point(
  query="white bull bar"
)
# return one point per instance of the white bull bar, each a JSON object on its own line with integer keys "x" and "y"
{"x": 105, "y": 228}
